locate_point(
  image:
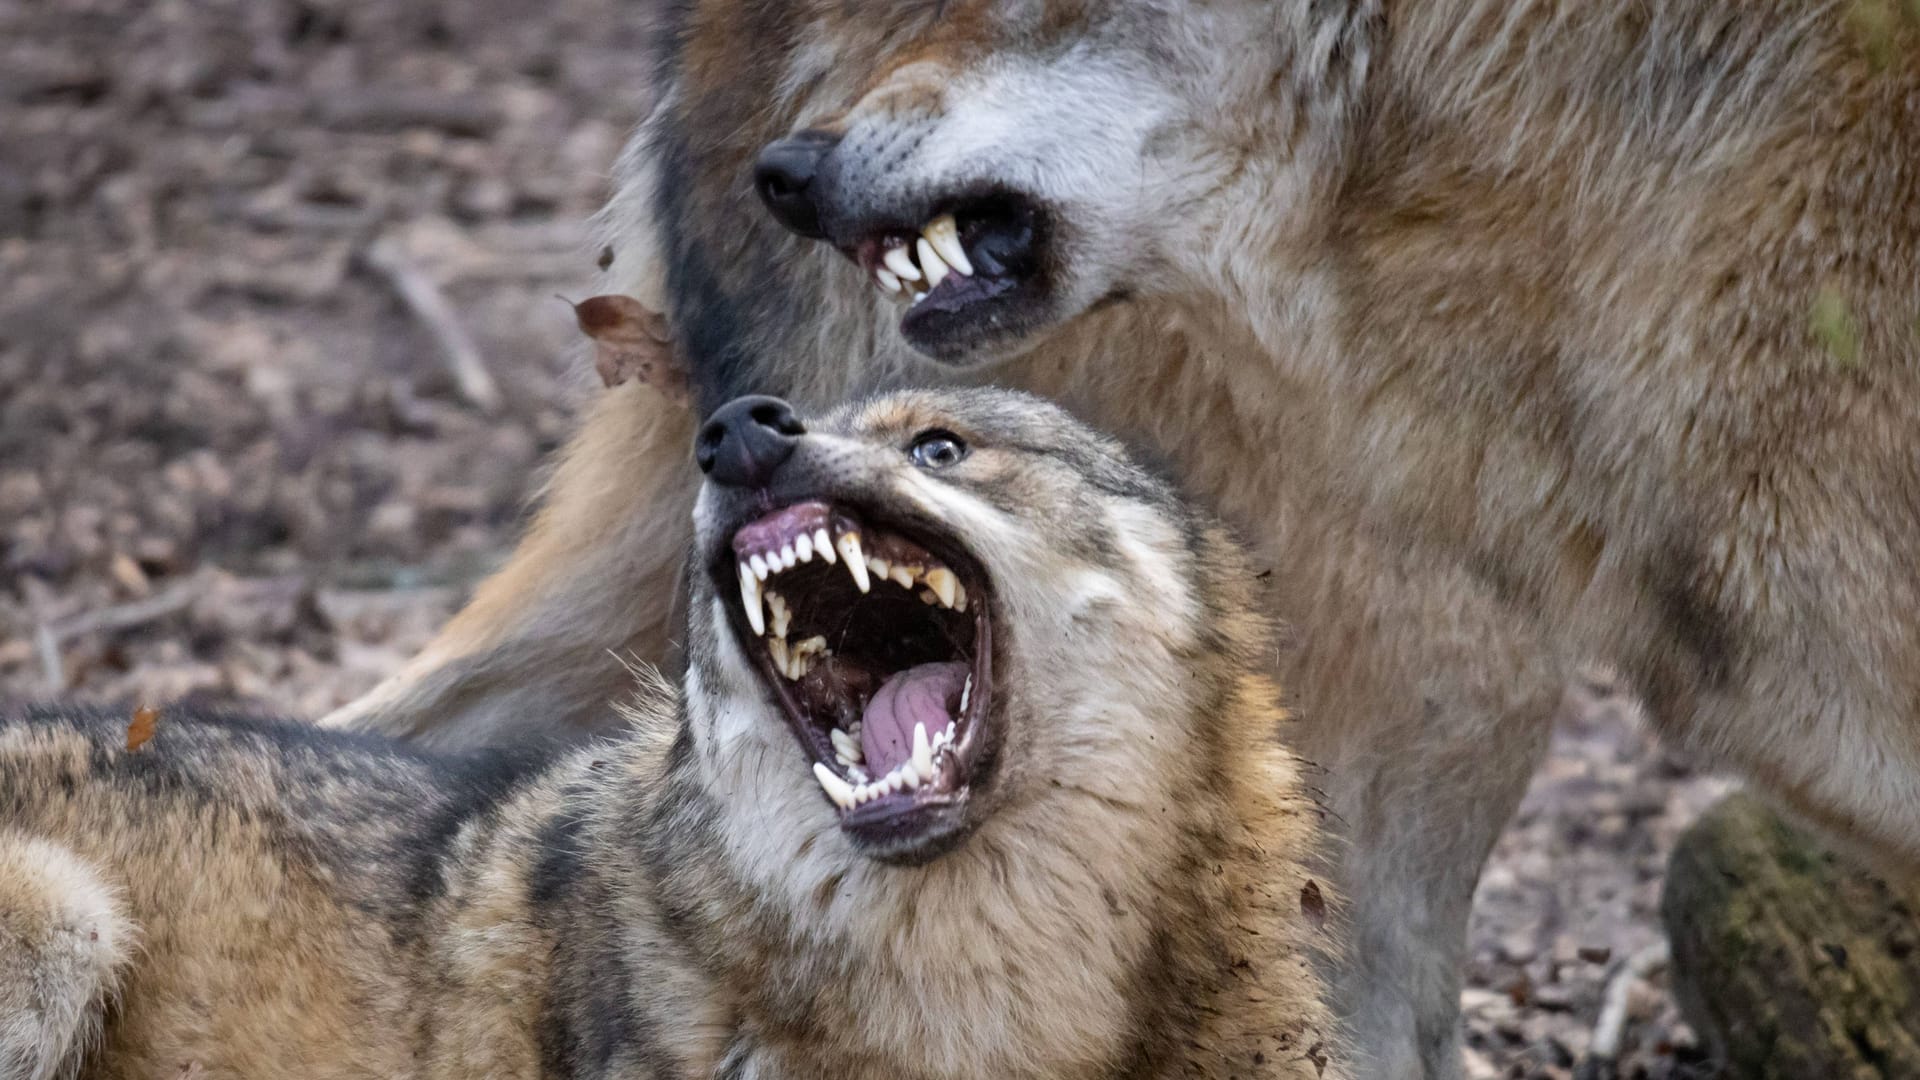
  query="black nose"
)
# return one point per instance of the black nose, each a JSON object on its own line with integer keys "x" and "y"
{"x": 784, "y": 175}
{"x": 746, "y": 440}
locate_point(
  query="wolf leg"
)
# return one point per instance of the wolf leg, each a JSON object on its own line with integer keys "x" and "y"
{"x": 1429, "y": 704}
{"x": 62, "y": 943}
{"x": 592, "y": 582}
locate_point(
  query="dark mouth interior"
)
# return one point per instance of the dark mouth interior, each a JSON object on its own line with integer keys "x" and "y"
{"x": 883, "y": 687}
{"x": 1002, "y": 236}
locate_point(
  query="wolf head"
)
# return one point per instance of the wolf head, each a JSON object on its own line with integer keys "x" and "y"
{"x": 915, "y": 615}
{"x": 972, "y": 174}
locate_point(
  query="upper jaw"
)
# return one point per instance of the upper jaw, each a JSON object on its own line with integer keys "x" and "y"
{"x": 832, "y": 642}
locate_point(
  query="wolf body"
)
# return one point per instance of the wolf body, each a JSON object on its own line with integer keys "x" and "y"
{"x": 1102, "y": 868}
{"x": 1520, "y": 333}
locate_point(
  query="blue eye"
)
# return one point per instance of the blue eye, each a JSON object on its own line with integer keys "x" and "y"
{"x": 936, "y": 449}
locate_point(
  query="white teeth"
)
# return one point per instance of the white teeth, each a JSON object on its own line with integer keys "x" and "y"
{"x": 879, "y": 566}
{"x": 930, "y": 261}
{"x": 760, "y": 568}
{"x": 902, "y": 576}
{"x": 943, "y": 583}
{"x": 917, "y": 297}
{"x": 944, "y": 234}
{"x": 849, "y": 545}
{"x": 922, "y": 756}
{"x": 845, "y": 746}
{"x": 837, "y": 789}
{"x": 788, "y": 558}
{"x": 782, "y": 615}
{"x": 782, "y": 662}
{"x": 800, "y": 658}
{"x": 823, "y": 545}
{"x": 959, "y": 597}
{"x": 912, "y": 779}
{"x": 901, "y": 264}
{"x": 750, "y": 599}
{"x": 886, "y": 279}
{"x": 964, "y": 691}
{"x": 803, "y": 547}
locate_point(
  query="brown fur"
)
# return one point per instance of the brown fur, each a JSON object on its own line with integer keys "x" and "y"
{"x": 1523, "y": 333}
{"x": 1134, "y": 898}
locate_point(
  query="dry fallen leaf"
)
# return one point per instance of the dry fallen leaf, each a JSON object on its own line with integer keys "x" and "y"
{"x": 1313, "y": 904}
{"x": 631, "y": 342}
{"x": 141, "y": 730}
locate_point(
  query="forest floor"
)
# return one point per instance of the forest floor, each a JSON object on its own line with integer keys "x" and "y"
{"x": 237, "y": 467}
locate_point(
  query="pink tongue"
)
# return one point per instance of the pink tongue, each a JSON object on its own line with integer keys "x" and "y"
{"x": 918, "y": 695}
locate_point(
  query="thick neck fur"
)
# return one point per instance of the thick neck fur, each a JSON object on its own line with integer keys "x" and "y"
{"x": 1136, "y": 922}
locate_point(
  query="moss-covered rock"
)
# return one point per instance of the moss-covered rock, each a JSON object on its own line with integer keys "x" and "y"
{"x": 1791, "y": 961}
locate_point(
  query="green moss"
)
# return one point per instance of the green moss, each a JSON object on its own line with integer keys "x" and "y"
{"x": 1834, "y": 326}
{"x": 1876, "y": 26}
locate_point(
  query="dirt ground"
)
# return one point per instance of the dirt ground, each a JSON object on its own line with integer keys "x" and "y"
{"x": 236, "y": 465}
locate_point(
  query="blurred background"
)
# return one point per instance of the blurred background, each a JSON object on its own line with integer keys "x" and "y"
{"x": 281, "y": 359}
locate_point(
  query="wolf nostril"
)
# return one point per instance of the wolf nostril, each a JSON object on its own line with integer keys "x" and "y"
{"x": 784, "y": 175}
{"x": 746, "y": 440}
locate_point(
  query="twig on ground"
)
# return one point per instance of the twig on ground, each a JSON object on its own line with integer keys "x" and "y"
{"x": 51, "y": 667}
{"x": 127, "y": 616}
{"x": 1609, "y": 1031}
{"x": 429, "y": 305}
{"x": 49, "y": 637}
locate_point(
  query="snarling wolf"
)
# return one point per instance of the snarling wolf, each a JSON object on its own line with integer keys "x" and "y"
{"x": 975, "y": 772}
{"x": 1523, "y": 334}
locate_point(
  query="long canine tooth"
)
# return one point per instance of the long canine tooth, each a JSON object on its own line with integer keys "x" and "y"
{"x": 849, "y": 545}
{"x": 932, "y": 263}
{"x": 944, "y": 234}
{"x": 943, "y": 583}
{"x": 760, "y": 567}
{"x": 750, "y": 599}
{"x": 846, "y": 747}
{"x": 887, "y": 279}
{"x": 803, "y": 547}
{"x": 901, "y": 263}
{"x": 837, "y": 789}
{"x": 922, "y": 754}
{"x": 782, "y": 662}
{"x": 823, "y": 545}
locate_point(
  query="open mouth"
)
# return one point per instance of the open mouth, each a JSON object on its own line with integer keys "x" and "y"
{"x": 975, "y": 266}
{"x": 880, "y": 652}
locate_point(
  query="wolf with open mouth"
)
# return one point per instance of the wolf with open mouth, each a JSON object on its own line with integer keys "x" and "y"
{"x": 972, "y": 775}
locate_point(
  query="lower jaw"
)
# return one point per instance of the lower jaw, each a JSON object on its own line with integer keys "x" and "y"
{"x": 978, "y": 341}
{"x": 912, "y": 836}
